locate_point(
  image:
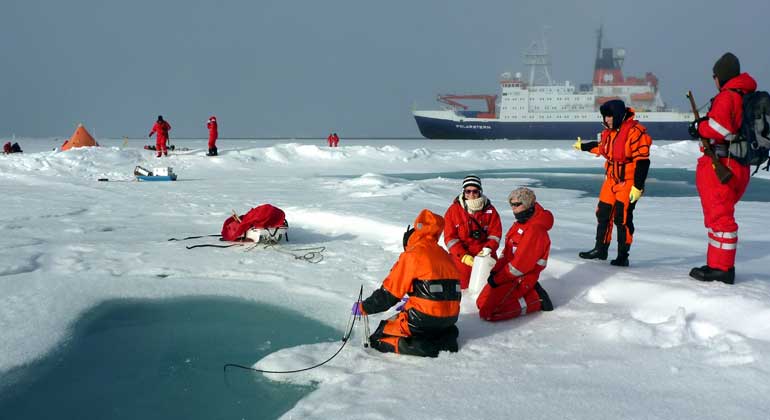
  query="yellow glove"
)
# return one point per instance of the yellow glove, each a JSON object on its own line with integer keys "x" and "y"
{"x": 578, "y": 145}
{"x": 467, "y": 260}
{"x": 635, "y": 194}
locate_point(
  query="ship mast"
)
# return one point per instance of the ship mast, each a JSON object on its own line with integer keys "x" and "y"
{"x": 539, "y": 62}
{"x": 599, "y": 43}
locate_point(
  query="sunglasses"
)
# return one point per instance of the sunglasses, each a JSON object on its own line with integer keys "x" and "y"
{"x": 516, "y": 204}
{"x": 474, "y": 192}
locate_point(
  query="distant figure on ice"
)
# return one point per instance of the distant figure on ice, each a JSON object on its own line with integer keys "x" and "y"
{"x": 472, "y": 227}
{"x": 626, "y": 146}
{"x": 330, "y": 140}
{"x": 162, "y": 128}
{"x": 512, "y": 288}
{"x": 425, "y": 274}
{"x": 9, "y": 148}
{"x": 718, "y": 200}
{"x": 335, "y": 140}
{"x": 213, "y": 134}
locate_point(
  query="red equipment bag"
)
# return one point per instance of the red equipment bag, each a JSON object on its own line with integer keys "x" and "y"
{"x": 265, "y": 216}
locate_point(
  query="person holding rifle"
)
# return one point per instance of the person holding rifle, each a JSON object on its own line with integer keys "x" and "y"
{"x": 720, "y": 191}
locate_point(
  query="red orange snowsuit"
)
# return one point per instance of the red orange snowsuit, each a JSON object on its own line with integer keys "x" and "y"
{"x": 162, "y": 128}
{"x": 516, "y": 291}
{"x": 627, "y": 150}
{"x": 213, "y": 132}
{"x": 460, "y": 227}
{"x": 425, "y": 273}
{"x": 718, "y": 200}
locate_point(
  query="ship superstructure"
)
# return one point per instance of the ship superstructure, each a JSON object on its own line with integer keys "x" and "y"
{"x": 538, "y": 108}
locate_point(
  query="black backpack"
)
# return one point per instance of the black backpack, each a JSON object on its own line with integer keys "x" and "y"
{"x": 752, "y": 144}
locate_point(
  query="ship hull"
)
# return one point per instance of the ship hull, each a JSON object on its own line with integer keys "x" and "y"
{"x": 485, "y": 129}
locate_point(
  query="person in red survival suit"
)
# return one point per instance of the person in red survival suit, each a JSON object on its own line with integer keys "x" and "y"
{"x": 472, "y": 227}
{"x": 720, "y": 126}
{"x": 213, "y": 134}
{"x": 335, "y": 140}
{"x": 626, "y": 146}
{"x": 330, "y": 140}
{"x": 512, "y": 288}
{"x": 424, "y": 272}
{"x": 162, "y": 128}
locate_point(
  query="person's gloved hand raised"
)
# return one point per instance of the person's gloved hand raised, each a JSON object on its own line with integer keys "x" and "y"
{"x": 634, "y": 195}
{"x": 578, "y": 145}
{"x": 356, "y": 310}
{"x": 484, "y": 252}
{"x": 467, "y": 259}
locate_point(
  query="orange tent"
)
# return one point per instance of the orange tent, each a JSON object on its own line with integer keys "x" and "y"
{"x": 81, "y": 138}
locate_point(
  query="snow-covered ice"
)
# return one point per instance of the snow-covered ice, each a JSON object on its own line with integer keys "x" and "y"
{"x": 644, "y": 342}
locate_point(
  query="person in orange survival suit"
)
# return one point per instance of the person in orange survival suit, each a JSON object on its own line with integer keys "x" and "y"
{"x": 424, "y": 273}
{"x": 512, "y": 288}
{"x": 472, "y": 228}
{"x": 161, "y": 127}
{"x": 213, "y": 134}
{"x": 718, "y": 200}
{"x": 626, "y": 146}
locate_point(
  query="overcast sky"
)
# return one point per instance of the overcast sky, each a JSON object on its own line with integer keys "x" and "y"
{"x": 291, "y": 68}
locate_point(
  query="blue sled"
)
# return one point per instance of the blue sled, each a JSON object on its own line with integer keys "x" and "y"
{"x": 157, "y": 178}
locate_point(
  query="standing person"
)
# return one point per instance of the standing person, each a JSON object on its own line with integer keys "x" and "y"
{"x": 335, "y": 140}
{"x": 472, "y": 227}
{"x": 718, "y": 200}
{"x": 512, "y": 288}
{"x": 213, "y": 134}
{"x": 425, "y": 324}
{"x": 626, "y": 146}
{"x": 330, "y": 140}
{"x": 162, "y": 128}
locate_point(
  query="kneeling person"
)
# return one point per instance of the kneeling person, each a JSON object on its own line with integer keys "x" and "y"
{"x": 426, "y": 274}
{"x": 512, "y": 288}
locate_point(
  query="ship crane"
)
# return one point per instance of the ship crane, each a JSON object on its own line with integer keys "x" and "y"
{"x": 451, "y": 100}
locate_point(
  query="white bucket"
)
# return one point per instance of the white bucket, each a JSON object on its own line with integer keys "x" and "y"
{"x": 482, "y": 266}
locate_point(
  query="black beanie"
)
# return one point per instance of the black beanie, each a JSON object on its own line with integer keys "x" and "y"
{"x": 726, "y": 68}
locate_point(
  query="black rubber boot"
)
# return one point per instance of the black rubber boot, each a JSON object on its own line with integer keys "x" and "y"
{"x": 622, "y": 259}
{"x": 545, "y": 300}
{"x": 598, "y": 253}
{"x": 706, "y": 273}
{"x": 212, "y": 152}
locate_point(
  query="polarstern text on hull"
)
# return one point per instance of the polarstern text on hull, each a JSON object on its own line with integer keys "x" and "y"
{"x": 538, "y": 108}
